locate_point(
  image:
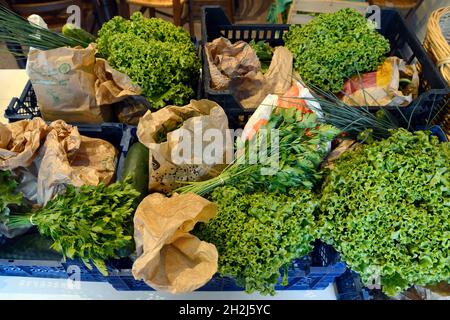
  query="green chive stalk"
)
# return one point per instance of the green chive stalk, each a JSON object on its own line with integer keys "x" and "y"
{"x": 302, "y": 145}
{"x": 17, "y": 30}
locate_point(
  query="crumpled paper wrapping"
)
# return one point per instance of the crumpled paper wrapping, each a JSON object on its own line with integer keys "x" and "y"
{"x": 167, "y": 172}
{"x": 12, "y": 233}
{"x": 131, "y": 110}
{"x": 20, "y": 141}
{"x": 45, "y": 158}
{"x": 73, "y": 85}
{"x": 281, "y": 75}
{"x": 236, "y": 67}
{"x": 382, "y": 87}
{"x": 169, "y": 257}
{"x": 440, "y": 291}
{"x": 69, "y": 158}
{"x": 27, "y": 179}
{"x": 55, "y": 155}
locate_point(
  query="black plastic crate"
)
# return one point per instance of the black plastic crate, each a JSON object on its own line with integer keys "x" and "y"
{"x": 349, "y": 287}
{"x": 29, "y": 255}
{"x": 404, "y": 44}
{"x": 23, "y": 108}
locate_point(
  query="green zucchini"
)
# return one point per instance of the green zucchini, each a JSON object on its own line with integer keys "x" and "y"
{"x": 72, "y": 31}
{"x": 136, "y": 165}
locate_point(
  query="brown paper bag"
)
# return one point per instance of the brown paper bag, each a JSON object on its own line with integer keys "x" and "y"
{"x": 55, "y": 155}
{"x": 5, "y": 136}
{"x": 131, "y": 109}
{"x": 19, "y": 144}
{"x": 382, "y": 87}
{"x": 27, "y": 179}
{"x": 440, "y": 291}
{"x": 20, "y": 141}
{"x": 69, "y": 158}
{"x": 280, "y": 75}
{"x": 46, "y": 158}
{"x": 229, "y": 61}
{"x": 236, "y": 67}
{"x": 72, "y": 85}
{"x": 166, "y": 172}
{"x": 169, "y": 257}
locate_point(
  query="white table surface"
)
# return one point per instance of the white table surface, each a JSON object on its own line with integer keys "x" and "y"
{"x": 12, "y": 83}
{"x": 13, "y": 288}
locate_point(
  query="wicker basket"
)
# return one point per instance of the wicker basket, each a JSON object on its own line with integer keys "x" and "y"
{"x": 437, "y": 44}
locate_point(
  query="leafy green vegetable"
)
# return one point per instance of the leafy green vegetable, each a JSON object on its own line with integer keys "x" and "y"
{"x": 91, "y": 223}
{"x": 334, "y": 47}
{"x": 302, "y": 145}
{"x": 264, "y": 53}
{"x": 257, "y": 234}
{"x": 266, "y": 220}
{"x": 155, "y": 54}
{"x": 8, "y": 194}
{"x": 386, "y": 208}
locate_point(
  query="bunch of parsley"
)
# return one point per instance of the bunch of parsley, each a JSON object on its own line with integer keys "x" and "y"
{"x": 386, "y": 209}
{"x": 155, "y": 54}
{"x": 93, "y": 223}
{"x": 258, "y": 233}
{"x": 334, "y": 47}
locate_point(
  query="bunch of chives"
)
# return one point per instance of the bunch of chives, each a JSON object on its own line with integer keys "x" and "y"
{"x": 16, "y": 30}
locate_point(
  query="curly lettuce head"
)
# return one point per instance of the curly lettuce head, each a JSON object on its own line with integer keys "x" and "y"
{"x": 386, "y": 208}
{"x": 258, "y": 233}
{"x": 334, "y": 47}
{"x": 155, "y": 54}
